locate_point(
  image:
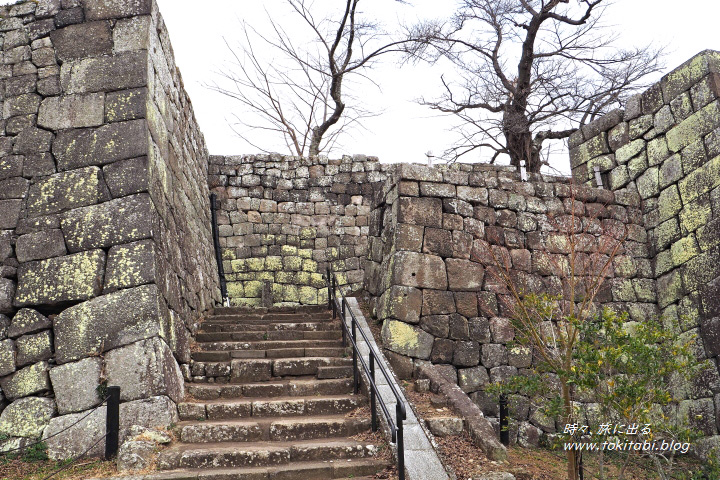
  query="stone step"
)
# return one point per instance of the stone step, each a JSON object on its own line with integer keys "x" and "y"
{"x": 310, "y": 461}
{"x": 267, "y": 345}
{"x": 279, "y": 407}
{"x": 226, "y": 356}
{"x": 335, "y": 371}
{"x": 305, "y": 309}
{"x": 271, "y": 429}
{"x": 271, "y": 318}
{"x": 259, "y": 335}
{"x": 296, "y": 387}
{"x": 235, "y": 327}
{"x": 257, "y": 370}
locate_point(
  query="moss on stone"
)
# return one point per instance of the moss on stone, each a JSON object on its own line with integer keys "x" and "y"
{"x": 684, "y": 249}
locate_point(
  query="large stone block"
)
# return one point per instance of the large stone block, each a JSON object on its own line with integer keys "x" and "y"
{"x": 34, "y": 348}
{"x": 75, "y": 385}
{"x": 694, "y": 127}
{"x": 100, "y": 74}
{"x": 61, "y": 279}
{"x": 108, "y": 322}
{"x": 99, "y": 146}
{"x": 26, "y": 381}
{"x": 27, "y": 320}
{"x": 405, "y": 339}
{"x": 65, "y": 441}
{"x": 126, "y": 177}
{"x": 9, "y": 213}
{"x": 689, "y": 73}
{"x": 33, "y": 141}
{"x": 401, "y": 303}
{"x": 40, "y": 245}
{"x": 132, "y": 34}
{"x": 72, "y": 111}
{"x": 116, "y": 9}
{"x": 7, "y": 357}
{"x": 7, "y": 292}
{"x": 130, "y": 265}
{"x": 472, "y": 379}
{"x": 88, "y": 39}
{"x": 27, "y": 417}
{"x": 145, "y": 369}
{"x": 418, "y": 270}
{"x": 700, "y": 181}
{"x": 149, "y": 413}
{"x": 66, "y": 190}
{"x": 467, "y": 354}
{"x": 464, "y": 275}
{"x": 118, "y": 221}
{"x": 420, "y": 211}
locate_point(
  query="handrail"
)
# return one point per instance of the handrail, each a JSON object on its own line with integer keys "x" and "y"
{"x": 218, "y": 253}
{"x": 396, "y": 427}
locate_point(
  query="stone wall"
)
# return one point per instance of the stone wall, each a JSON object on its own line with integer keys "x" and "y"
{"x": 284, "y": 220}
{"x": 662, "y": 154}
{"x": 432, "y": 231}
{"x": 103, "y": 194}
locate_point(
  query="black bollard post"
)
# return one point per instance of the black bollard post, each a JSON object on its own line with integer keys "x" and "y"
{"x": 112, "y": 423}
{"x": 504, "y": 429}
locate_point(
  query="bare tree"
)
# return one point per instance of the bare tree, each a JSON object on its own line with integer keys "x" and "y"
{"x": 300, "y": 95}
{"x": 529, "y": 71}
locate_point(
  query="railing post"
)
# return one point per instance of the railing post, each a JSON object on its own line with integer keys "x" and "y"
{"x": 112, "y": 423}
{"x": 373, "y": 392}
{"x": 504, "y": 430}
{"x": 330, "y": 297}
{"x": 400, "y": 442}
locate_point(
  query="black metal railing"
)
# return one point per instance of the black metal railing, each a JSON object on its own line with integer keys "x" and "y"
{"x": 216, "y": 243}
{"x": 350, "y": 333}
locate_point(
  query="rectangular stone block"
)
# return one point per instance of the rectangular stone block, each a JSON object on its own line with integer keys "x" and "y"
{"x": 27, "y": 381}
{"x": 66, "y": 190}
{"x": 118, "y": 221}
{"x": 126, "y": 105}
{"x": 100, "y": 146}
{"x": 417, "y": 270}
{"x": 131, "y": 34}
{"x": 694, "y": 127}
{"x": 108, "y": 322}
{"x": 126, "y": 177}
{"x": 97, "y": 10}
{"x": 689, "y": 73}
{"x": 40, "y": 245}
{"x": 34, "y": 348}
{"x": 100, "y": 74}
{"x": 62, "y": 279}
{"x": 130, "y": 265}
{"x": 420, "y": 211}
{"x": 90, "y": 39}
{"x": 9, "y": 213}
{"x": 700, "y": 181}
{"x": 72, "y": 111}
{"x": 75, "y": 385}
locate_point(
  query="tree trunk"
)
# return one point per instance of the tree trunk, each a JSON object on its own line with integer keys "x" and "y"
{"x": 572, "y": 468}
{"x": 519, "y": 140}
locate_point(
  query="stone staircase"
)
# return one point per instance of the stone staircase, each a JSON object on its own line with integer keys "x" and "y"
{"x": 271, "y": 398}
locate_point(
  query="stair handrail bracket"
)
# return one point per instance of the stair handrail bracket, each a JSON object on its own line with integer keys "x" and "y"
{"x": 338, "y": 303}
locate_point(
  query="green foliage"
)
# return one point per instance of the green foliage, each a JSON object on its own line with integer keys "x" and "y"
{"x": 35, "y": 453}
{"x": 102, "y": 389}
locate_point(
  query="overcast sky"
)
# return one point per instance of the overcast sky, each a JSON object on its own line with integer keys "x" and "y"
{"x": 404, "y": 130}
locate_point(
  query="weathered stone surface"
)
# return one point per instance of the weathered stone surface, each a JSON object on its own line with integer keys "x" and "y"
{"x": 467, "y": 354}
{"x": 33, "y": 140}
{"x": 106, "y": 322}
{"x": 63, "y": 444}
{"x": 442, "y": 351}
{"x": 694, "y": 127}
{"x": 26, "y": 381}
{"x": 7, "y": 357}
{"x": 126, "y": 177}
{"x": 135, "y": 455}
{"x": 72, "y": 111}
{"x": 75, "y": 385}
{"x": 445, "y": 426}
{"x": 471, "y": 379}
{"x": 688, "y": 74}
{"x": 7, "y": 293}
{"x": 67, "y": 190}
{"x": 27, "y": 320}
{"x": 420, "y": 211}
{"x": 40, "y": 245}
{"x": 99, "y": 146}
{"x": 150, "y": 413}
{"x": 464, "y": 274}
{"x": 116, "y": 9}
{"x": 130, "y": 265}
{"x": 15, "y": 187}
{"x": 418, "y": 270}
{"x": 436, "y": 325}
{"x": 27, "y": 417}
{"x": 145, "y": 369}
{"x": 494, "y": 355}
{"x": 33, "y": 348}
{"x": 25, "y": 104}
{"x": 89, "y": 39}
{"x": 9, "y": 213}
{"x": 118, "y": 221}
{"x": 437, "y": 302}
{"x": 438, "y": 242}
{"x": 401, "y": 303}
{"x": 60, "y": 279}
{"x": 100, "y": 74}
{"x": 125, "y": 105}
{"x": 406, "y": 339}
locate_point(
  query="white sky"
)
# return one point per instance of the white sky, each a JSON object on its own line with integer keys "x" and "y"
{"x": 404, "y": 130}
